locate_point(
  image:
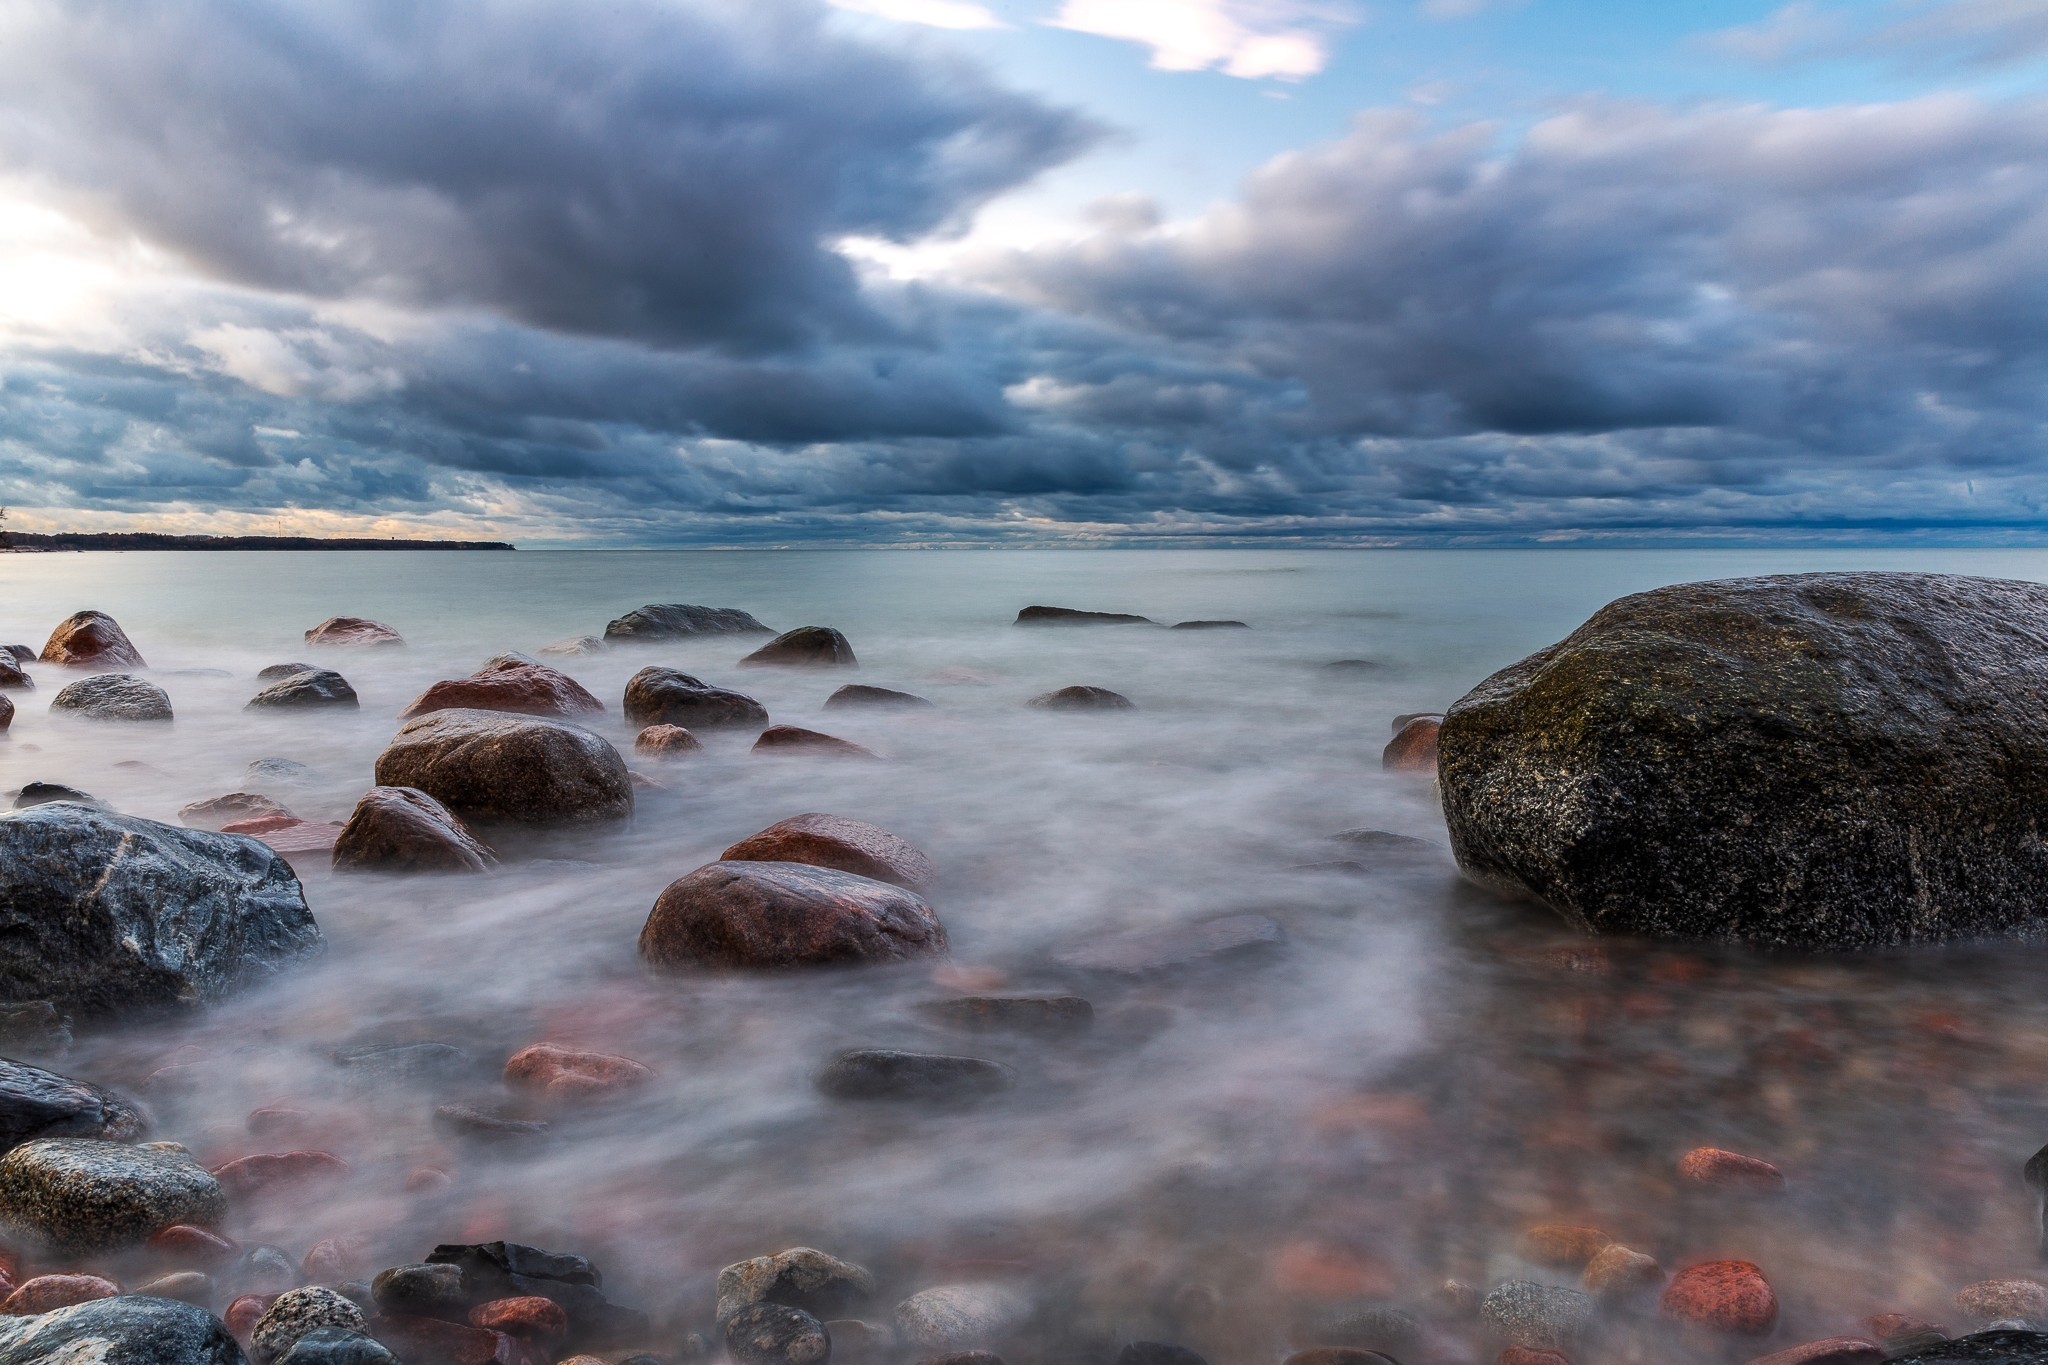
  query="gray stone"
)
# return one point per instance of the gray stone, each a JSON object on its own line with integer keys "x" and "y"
{"x": 801, "y": 1277}
{"x": 1983, "y": 1348}
{"x": 495, "y": 768}
{"x": 262, "y": 1269}
{"x": 1036, "y": 1014}
{"x": 1544, "y": 1317}
{"x": 297, "y": 1312}
{"x": 678, "y": 621}
{"x": 804, "y": 647}
{"x": 272, "y": 672}
{"x": 83, "y": 1195}
{"x": 114, "y": 696}
{"x": 425, "y": 1290}
{"x": 860, "y": 694}
{"x": 771, "y": 1334}
{"x": 311, "y": 687}
{"x": 337, "y": 1346}
{"x": 1068, "y": 616}
{"x": 665, "y": 696}
{"x": 1082, "y": 698}
{"x": 129, "y": 1330}
{"x": 1836, "y": 760}
{"x": 405, "y": 1061}
{"x": 35, "y": 1103}
{"x": 103, "y": 912}
{"x": 961, "y": 1316}
{"x": 43, "y": 793}
{"x": 882, "y": 1074}
{"x": 12, "y": 677}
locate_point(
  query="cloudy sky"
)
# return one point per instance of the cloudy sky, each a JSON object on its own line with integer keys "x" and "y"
{"x": 700, "y": 271}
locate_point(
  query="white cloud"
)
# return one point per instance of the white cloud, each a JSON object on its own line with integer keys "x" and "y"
{"x": 1463, "y": 9}
{"x": 1251, "y": 39}
{"x": 959, "y": 14}
{"x": 1911, "y": 32}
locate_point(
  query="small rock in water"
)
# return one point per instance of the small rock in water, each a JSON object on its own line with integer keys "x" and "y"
{"x": 961, "y": 1316}
{"x": 1729, "y": 1170}
{"x": 129, "y": 1330}
{"x": 83, "y": 1195}
{"x": 35, "y": 1103}
{"x": 489, "y": 766}
{"x": 91, "y": 639}
{"x": 114, "y": 696}
{"x": 529, "y": 1317}
{"x": 786, "y": 915}
{"x": 430, "y": 1340}
{"x": 1990, "y": 1301}
{"x": 1413, "y": 749}
{"x": 1903, "y": 1334}
{"x": 1832, "y": 1351}
{"x": 804, "y": 647}
{"x": 1068, "y": 616}
{"x": 801, "y": 1277}
{"x": 294, "y": 1314}
{"x": 272, "y": 672}
{"x": 186, "y": 1286}
{"x": 1152, "y": 950}
{"x": 288, "y": 836}
{"x": 1348, "y": 667}
{"x": 47, "y": 1292}
{"x": 263, "y": 1271}
{"x": 581, "y": 644}
{"x": 11, "y": 676}
{"x": 882, "y": 1074}
{"x": 465, "y": 1120}
{"x": 1723, "y": 1296}
{"x": 424, "y": 1290}
{"x": 184, "y": 1244}
{"x": 507, "y": 1270}
{"x": 404, "y": 829}
{"x": 1039, "y": 1014}
{"x": 1210, "y": 625}
{"x": 354, "y": 631}
{"x": 1983, "y": 1348}
{"x": 666, "y": 741}
{"x": 678, "y": 621}
{"x": 1562, "y": 1246}
{"x": 770, "y": 1334}
{"x": 249, "y": 1176}
{"x": 1082, "y": 698}
{"x": 1547, "y": 1317}
{"x": 561, "y": 1073}
{"x": 337, "y": 1346}
{"x": 1378, "y": 1327}
{"x": 664, "y": 696}
{"x": 43, "y": 793}
{"x": 1617, "y": 1274}
{"x": 787, "y": 739}
{"x": 305, "y": 689}
{"x": 216, "y": 811}
{"x": 837, "y": 842}
{"x": 860, "y": 694}
{"x": 509, "y": 682}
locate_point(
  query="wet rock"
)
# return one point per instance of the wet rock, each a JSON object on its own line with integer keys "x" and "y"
{"x": 35, "y": 1103}
{"x": 1044, "y": 1015}
{"x": 801, "y": 1277}
{"x": 564, "y": 1074}
{"x": 129, "y": 1330}
{"x": 1143, "y": 951}
{"x": 506, "y": 1270}
{"x": 6, "y": 713}
{"x": 1377, "y": 1327}
{"x": 804, "y": 647}
{"x": 405, "y": 1061}
{"x": 1379, "y": 847}
{"x": 676, "y": 621}
{"x": 664, "y": 696}
{"x": 1616, "y": 1274}
{"x": 834, "y": 841}
{"x": 427, "y": 1341}
{"x": 289, "y": 836}
{"x": 1158, "y": 1353}
{"x": 47, "y": 1292}
{"x": 861, "y": 695}
{"x": 794, "y": 739}
{"x": 464, "y": 1120}
{"x": 1545, "y": 1316}
{"x": 216, "y": 811}
{"x": 745, "y": 914}
{"x": 21, "y": 654}
{"x": 666, "y": 741}
{"x": 249, "y": 1176}
{"x": 1832, "y": 1351}
{"x": 264, "y": 1271}
{"x": 114, "y": 696}
{"x": 580, "y": 645}
{"x": 307, "y": 689}
{"x": 186, "y": 1286}
{"x": 354, "y": 632}
{"x": 509, "y": 682}
{"x": 1902, "y": 1334}
{"x": 1413, "y": 750}
{"x": 1729, "y": 1170}
{"x": 2035, "y": 1174}
{"x": 43, "y": 793}
{"x": 430, "y": 1291}
{"x": 493, "y": 768}
{"x": 404, "y": 829}
{"x": 12, "y": 678}
{"x": 184, "y": 1244}
{"x": 770, "y": 1334}
{"x": 334, "y": 1261}
{"x": 337, "y": 1346}
{"x": 272, "y": 672}
{"x": 1989, "y": 1301}
{"x": 855, "y": 1342}
{"x": 1068, "y": 616}
{"x": 108, "y": 912}
{"x": 1809, "y": 759}
{"x": 961, "y": 1316}
{"x": 1723, "y": 1296}
{"x": 1983, "y": 1348}
{"x": 1562, "y": 1246}
{"x": 882, "y": 1074}
{"x": 83, "y": 1195}
{"x": 91, "y": 639}
{"x": 529, "y": 1317}
{"x": 1082, "y": 698}
{"x": 294, "y": 1314}
{"x": 244, "y": 1312}
{"x": 1210, "y": 625}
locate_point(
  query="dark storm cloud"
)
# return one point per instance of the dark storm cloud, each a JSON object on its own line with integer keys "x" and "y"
{"x": 664, "y": 171}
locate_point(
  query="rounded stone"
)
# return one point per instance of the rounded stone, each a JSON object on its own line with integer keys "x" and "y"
{"x": 561, "y": 1073}
{"x": 356, "y": 631}
{"x": 114, "y": 696}
{"x": 961, "y": 1316}
{"x": 80, "y": 1195}
{"x": 1723, "y": 1296}
{"x": 1617, "y": 1273}
{"x": 1082, "y": 698}
{"x": 666, "y": 741}
{"x": 771, "y": 1334}
{"x": 745, "y": 914}
{"x": 837, "y": 842}
{"x": 425, "y": 1290}
{"x": 129, "y": 1330}
{"x": 304, "y": 689}
{"x": 490, "y": 767}
{"x": 1729, "y": 1170}
{"x": 337, "y": 1346}
{"x": 46, "y": 1292}
{"x": 1413, "y": 748}
{"x": 1989, "y": 1301}
{"x": 294, "y": 1314}
{"x": 91, "y": 639}
{"x": 862, "y": 695}
{"x": 804, "y": 647}
{"x": 795, "y": 739}
{"x": 801, "y": 1277}
{"x": 404, "y": 829}
{"x": 1546, "y": 1316}
{"x": 509, "y": 682}
{"x": 665, "y": 696}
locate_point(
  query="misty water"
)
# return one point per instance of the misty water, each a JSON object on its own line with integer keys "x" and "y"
{"x": 1236, "y": 1152}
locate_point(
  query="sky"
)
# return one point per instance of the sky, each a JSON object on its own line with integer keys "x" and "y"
{"x": 909, "y": 272}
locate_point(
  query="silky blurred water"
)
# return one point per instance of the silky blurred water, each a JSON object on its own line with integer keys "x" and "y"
{"x": 1413, "y": 1076}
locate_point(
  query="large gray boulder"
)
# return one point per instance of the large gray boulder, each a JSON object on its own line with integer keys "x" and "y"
{"x": 496, "y": 768}
{"x": 102, "y": 912}
{"x": 84, "y": 1195}
{"x": 1807, "y": 759}
{"x": 114, "y": 696}
{"x": 129, "y": 1330}
{"x": 680, "y": 621}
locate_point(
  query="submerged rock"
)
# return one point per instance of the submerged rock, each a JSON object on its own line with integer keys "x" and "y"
{"x": 1037, "y": 1014}
{"x": 506, "y": 1270}
{"x": 560, "y": 1073}
{"x": 91, "y": 639}
{"x": 1808, "y": 759}
{"x": 804, "y": 647}
{"x": 1068, "y": 616}
{"x": 961, "y": 1316}
{"x": 217, "y": 811}
{"x": 1723, "y": 1296}
{"x": 130, "y": 1330}
{"x": 1141, "y": 951}
{"x": 43, "y": 793}
{"x": 1210, "y": 625}
{"x": 35, "y": 1103}
{"x": 272, "y": 672}
{"x": 114, "y": 696}
{"x": 1544, "y": 1316}
{"x": 664, "y": 696}
{"x": 770, "y": 1334}
{"x": 794, "y": 739}
{"x": 666, "y": 741}
{"x": 509, "y": 682}
{"x": 884, "y": 1074}
{"x": 304, "y": 689}
{"x": 801, "y": 1277}
{"x": 337, "y": 1346}
{"x": 357, "y": 631}
{"x": 580, "y": 645}
{"x": 1413, "y": 747}
{"x": 860, "y": 694}
{"x": 837, "y": 842}
{"x": 1082, "y": 698}
{"x": 404, "y": 829}
{"x": 491, "y": 767}
{"x": 678, "y": 621}
{"x": 85, "y": 1195}
{"x": 105, "y": 912}
{"x": 747, "y": 914}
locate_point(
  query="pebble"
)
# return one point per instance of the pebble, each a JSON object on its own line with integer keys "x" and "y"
{"x": 1082, "y": 698}
{"x": 1618, "y": 1273}
{"x": 265, "y": 1270}
{"x": 1723, "y": 1296}
{"x": 782, "y": 739}
{"x": 834, "y": 841}
{"x": 337, "y": 1346}
{"x": 1540, "y": 1315}
{"x": 187, "y": 1286}
{"x": 801, "y": 1277}
{"x": 250, "y": 1176}
{"x": 245, "y": 1312}
{"x": 1562, "y": 1246}
{"x": 1988, "y": 1301}
{"x": 561, "y": 1073}
{"x": 773, "y": 1334}
{"x": 295, "y": 1313}
{"x": 46, "y": 1292}
{"x": 114, "y": 696}
{"x": 960, "y": 1316}
{"x": 334, "y": 1259}
{"x": 37, "y": 1103}
{"x": 861, "y": 694}
{"x": 421, "y": 1340}
{"x": 881, "y": 1074}
{"x": 1729, "y": 1170}
{"x": 666, "y": 741}
{"x": 1831, "y": 1351}
{"x": 187, "y": 1245}
{"x": 1413, "y": 747}
{"x": 529, "y": 1317}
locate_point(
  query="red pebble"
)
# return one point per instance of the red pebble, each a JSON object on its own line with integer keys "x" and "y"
{"x": 1832, "y": 1351}
{"x": 566, "y": 1074}
{"x": 531, "y": 1318}
{"x": 46, "y": 1292}
{"x": 187, "y": 1245}
{"x": 432, "y": 1339}
{"x": 334, "y": 1259}
{"x": 1414, "y": 749}
{"x": 254, "y": 1174}
{"x": 1726, "y": 1296}
{"x": 1529, "y": 1355}
{"x": 244, "y": 1313}
{"x": 1729, "y": 1170}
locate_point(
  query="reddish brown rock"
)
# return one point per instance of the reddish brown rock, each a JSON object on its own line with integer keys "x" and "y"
{"x": 254, "y": 1175}
{"x": 1832, "y": 1351}
{"x": 666, "y": 741}
{"x": 1729, "y": 1170}
{"x": 91, "y": 639}
{"x": 493, "y": 768}
{"x": 427, "y": 1180}
{"x": 804, "y": 647}
{"x": 183, "y": 1244}
{"x": 433, "y": 1342}
{"x": 1901, "y": 1332}
{"x": 245, "y": 1312}
{"x": 835, "y": 841}
{"x": 1616, "y": 1273}
{"x": 332, "y": 1260}
{"x": 288, "y": 835}
{"x": 561, "y": 1073}
{"x": 1995, "y": 1300}
{"x": 747, "y": 914}
{"x": 1413, "y": 748}
{"x": 1723, "y": 1296}
{"x": 353, "y": 630}
{"x": 6, "y": 713}
{"x": 404, "y": 829}
{"x": 46, "y": 1292}
{"x": 530, "y": 1318}
{"x": 788, "y": 739}
{"x": 218, "y": 812}
{"x": 510, "y": 682}
{"x": 1563, "y": 1246}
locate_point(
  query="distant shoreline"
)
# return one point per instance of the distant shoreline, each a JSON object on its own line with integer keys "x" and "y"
{"x": 32, "y": 542}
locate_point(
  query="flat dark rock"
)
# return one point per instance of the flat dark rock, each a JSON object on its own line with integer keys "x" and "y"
{"x": 128, "y": 1330}
{"x": 666, "y": 696}
{"x": 1353, "y": 666}
{"x": 1983, "y": 1348}
{"x": 305, "y": 688}
{"x": 881, "y": 1074}
{"x": 1068, "y": 616}
{"x": 1082, "y": 698}
{"x": 43, "y": 793}
{"x": 35, "y": 1103}
{"x": 680, "y": 621}
{"x": 1179, "y": 945}
{"x": 860, "y": 694}
{"x": 1210, "y": 625}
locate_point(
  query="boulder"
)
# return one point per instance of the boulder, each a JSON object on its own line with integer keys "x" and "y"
{"x": 835, "y": 841}
{"x": 270, "y": 673}
{"x": 1413, "y": 747}
{"x": 801, "y": 1277}
{"x": 804, "y": 647}
{"x": 305, "y": 688}
{"x": 114, "y": 696}
{"x": 217, "y": 811}
{"x": 130, "y": 1330}
{"x": 354, "y": 631}
{"x": 860, "y": 694}
{"x": 11, "y": 675}
{"x": 676, "y": 621}
{"x": 35, "y": 1103}
{"x": 509, "y": 682}
{"x": 404, "y": 829}
{"x": 787, "y": 739}
{"x": 1082, "y": 698}
{"x": 492, "y": 768}
{"x": 21, "y": 654}
{"x": 745, "y": 914}
{"x": 1844, "y": 759}
{"x": 664, "y": 696}
{"x": 82, "y": 1195}
{"x": 102, "y": 912}
{"x": 297, "y": 1313}
{"x": 337, "y": 1346}
{"x": 43, "y": 793}
{"x": 1068, "y": 616}
{"x": 6, "y": 712}
{"x": 666, "y": 741}
{"x": 885, "y": 1074}
{"x": 91, "y": 639}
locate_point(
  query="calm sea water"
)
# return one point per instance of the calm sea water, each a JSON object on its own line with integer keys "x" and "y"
{"x": 1412, "y": 1078}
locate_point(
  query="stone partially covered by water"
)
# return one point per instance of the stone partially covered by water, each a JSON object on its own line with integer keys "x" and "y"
{"x": 119, "y": 1331}
{"x": 804, "y": 647}
{"x": 296, "y": 1313}
{"x": 91, "y": 639}
{"x": 509, "y": 682}
{"x": 801, "y": 1277}
{"x": 1832, "y": 759}
{"x": 106, "y": 912}
{"x": 678, "y": 621}
{"x": 1983, "y": 1348}
{"x": 302, "y": 688}
{"x": 884, "y": 1074}
{"x": 354, "y": 631}
{"x": 337, "y": 1346}
{"x": 665, "y": 696}
{"x": 35, "y": 1103}
{"x": 403, "y": 829}
{"x": 747, "y": 914}
{"x": 835, "y": 841}
{"x": 506, "y": 1270}
{"x": 501, "y": 769}
{"x": 114, "y": 696}
{"x": 83, "y": 1195}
